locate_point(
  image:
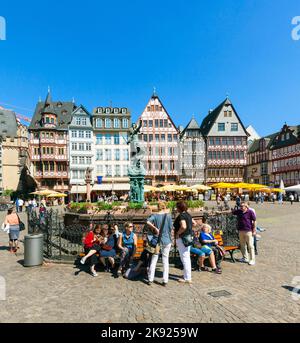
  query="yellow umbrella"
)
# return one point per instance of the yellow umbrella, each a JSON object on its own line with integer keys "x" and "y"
{"x": 56, "y": 195}
{"x": 222, "y": 185}
{"x": 44, "y": 192}
{"x": 200, "y": 187}
{"x": 278, "y": 190}
{"x": 150, "y": 189}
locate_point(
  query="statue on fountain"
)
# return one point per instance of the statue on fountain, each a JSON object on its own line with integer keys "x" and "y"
{"x": 136, "y": 170}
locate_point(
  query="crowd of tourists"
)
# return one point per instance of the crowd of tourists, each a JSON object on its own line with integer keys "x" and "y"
{"x": 193, "y": 240}
{"x": 105, "y": 244}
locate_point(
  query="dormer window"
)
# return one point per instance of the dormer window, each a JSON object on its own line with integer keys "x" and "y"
{"x": 59, "y": 104}
{"x": 99, "y": 110}
{"x": 107, "y": 111}
{"x": 124, "y": 110}
{"x": 116, "y": 110}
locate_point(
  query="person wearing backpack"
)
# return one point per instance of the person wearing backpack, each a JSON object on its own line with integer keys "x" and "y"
{"x": 161, "y": 226}
{"x": 183, "y": 225}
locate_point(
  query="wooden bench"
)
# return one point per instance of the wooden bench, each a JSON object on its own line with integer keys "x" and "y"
{"x": 228, "y": 248}
{"x": 137, "y": 255}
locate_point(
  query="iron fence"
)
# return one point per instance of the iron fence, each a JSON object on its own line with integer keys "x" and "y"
{"x": 66, "y": 242}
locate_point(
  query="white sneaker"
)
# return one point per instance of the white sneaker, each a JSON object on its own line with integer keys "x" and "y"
{"x": 94, "y": 274}
{"x": 251, "y": 263}
{"x": 243, "y": 260}
{"x": 82, "y": 261}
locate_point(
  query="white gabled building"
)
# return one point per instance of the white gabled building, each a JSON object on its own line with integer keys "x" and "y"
{"x": 81, "y": 151}
{"x": 112, "y": 153}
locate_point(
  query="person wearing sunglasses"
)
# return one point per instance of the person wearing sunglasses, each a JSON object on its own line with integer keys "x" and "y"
{"x": 127, "y": 243}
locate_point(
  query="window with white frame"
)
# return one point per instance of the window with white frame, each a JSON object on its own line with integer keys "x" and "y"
{"x": 81, "y": 160}
{"x": 108, "y": 138}
{"x": 107, "y": 154}
{"x": 107, "y": 123}
{"x": 126, "y": 155}
{"x": 116, "y": 123}
{"x": 108, "y": 170}
{"x": 99, "y": 138}
{"x": 78, "y": 121}
{"x": 125, "y": 170}
{"x": 81, "y": 146}
{"x": 74, "y": 146}
{"x": 99, "y": 154}
{"x": 117, "y": 170}
{"x": 89, "y": 160}
{"x": 99, "y": 169}
{"x": 125, "y": 123}
{"x": 83, "y": 121}
{"x": 74, "y": 134}
{"x": 88, "y": 134}
{"x": 75, "y": 174}
{"x": 98, "y": 122}
{"x": 74, "y": 160}
{"x": 80, "y": 134}
{"x": 117, "y": 154}
{"x": 81, "y": 174}
{"x": 88, "y": 146}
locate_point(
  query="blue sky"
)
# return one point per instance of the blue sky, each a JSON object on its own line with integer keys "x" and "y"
{"x": 193, "y": 52}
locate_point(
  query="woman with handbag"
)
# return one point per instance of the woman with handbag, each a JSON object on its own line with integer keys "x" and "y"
{"x": 183, "y": 225}
{"x": 108, "y": 250}
{"x": 127, "y": 243}
{"x": 13, "y": 220}
{"x": 92, "y": 245}
{"x": 161, "y": 226}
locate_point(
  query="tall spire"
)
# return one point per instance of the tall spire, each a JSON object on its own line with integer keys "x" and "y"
{"x": 154, "y": 95}
{"x": 48, "y": 98}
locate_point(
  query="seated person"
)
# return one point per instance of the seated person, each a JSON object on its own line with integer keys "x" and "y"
{"x": 108, "y": 250}
{"x": 203, "y": 251}
{"x": 92, "y": 245}
{"x": 127, "y": 243}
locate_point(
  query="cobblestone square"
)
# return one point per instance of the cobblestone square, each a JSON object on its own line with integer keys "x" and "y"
{"x": 263, "y": 293}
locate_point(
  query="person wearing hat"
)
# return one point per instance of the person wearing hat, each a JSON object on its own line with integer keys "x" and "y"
{"x": 13, "y": 221}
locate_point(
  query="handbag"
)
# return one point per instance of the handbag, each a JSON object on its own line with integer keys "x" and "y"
{"x": 21, "y": 224}
{"x": 154, "y": 242}
{"x": 187, "y": 240}
{"x": 106, "y": 247}
{"x": 5, "y": 228}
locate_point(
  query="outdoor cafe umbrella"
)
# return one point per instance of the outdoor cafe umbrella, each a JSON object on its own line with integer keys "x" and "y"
{"x": 44, "y": 192}
{"x": 199, "y": 188}
{"x": 222, "y": 185}
{"x": 56, "y": 195}
{"x": 150, "y": 189}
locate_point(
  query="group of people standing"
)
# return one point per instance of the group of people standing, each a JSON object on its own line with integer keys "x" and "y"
{"x": 107, "y": 242}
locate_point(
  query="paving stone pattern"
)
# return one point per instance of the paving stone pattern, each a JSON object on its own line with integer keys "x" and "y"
{"x": 262, "y": 293}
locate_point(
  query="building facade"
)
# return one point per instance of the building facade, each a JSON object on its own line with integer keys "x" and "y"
{"x": 192, "y": 154}
{"x": 285, "y": 156}
{"x": 160, "y": 139}
{"x": 111, "y": 127}
{"x": 226, "y": 144}
{"x": 13, "y": 150}
{"x": 259, "y": 161}
{"x": 48, "y": 144}
{"x": 81, "y": 151}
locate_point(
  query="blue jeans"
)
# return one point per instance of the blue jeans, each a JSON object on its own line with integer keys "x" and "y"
{"x": 204, "y": 251}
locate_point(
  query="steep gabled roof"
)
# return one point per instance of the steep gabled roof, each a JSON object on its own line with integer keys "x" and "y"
{"x": 8, "y": 123}
{"x": 269, "y": 141}
{"x": 212, "y": 116}
{"x": 192, "y": 125}
{"x": 63, "y": 111}
{"x": 155, "y": 96}
{"x": 294, "y": 138}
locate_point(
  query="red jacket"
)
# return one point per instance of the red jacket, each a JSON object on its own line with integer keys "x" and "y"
{"x": 89, "y": 239}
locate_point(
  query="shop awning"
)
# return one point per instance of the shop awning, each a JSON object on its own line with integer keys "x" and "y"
{"x": 111, "y": 187}
{"x": 78, "y": 189}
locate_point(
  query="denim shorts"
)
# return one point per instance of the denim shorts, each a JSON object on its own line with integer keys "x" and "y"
{"x": 204, "y": 251}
